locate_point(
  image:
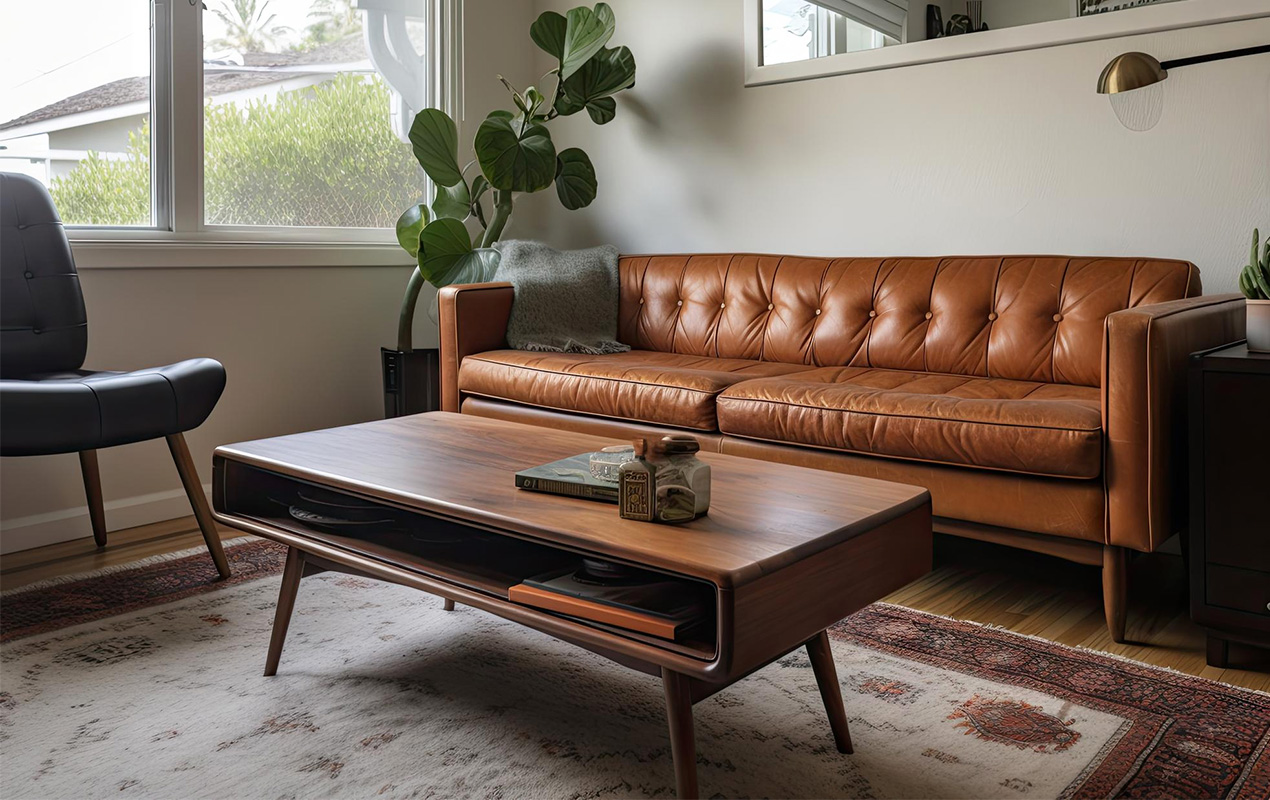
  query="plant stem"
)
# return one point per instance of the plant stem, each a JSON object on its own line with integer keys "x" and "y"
{"x": 502, "y": 213}
{"x": 405, "y": 324}
{"x": 555, "y": 98}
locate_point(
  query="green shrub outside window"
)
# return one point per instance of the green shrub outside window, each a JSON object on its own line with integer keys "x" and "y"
{"x": 319, "y": 156}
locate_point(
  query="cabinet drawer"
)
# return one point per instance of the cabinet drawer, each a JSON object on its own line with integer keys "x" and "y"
{"x": 1239, "y": 589}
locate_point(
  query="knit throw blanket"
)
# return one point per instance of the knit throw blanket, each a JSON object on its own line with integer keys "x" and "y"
{"x": 566, "y": 301}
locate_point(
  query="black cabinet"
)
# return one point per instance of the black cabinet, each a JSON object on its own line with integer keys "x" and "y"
{"x": 1229, "y": 541}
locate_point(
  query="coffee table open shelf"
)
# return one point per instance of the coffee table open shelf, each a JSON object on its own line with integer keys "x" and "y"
{"x": 428, "y": 502}
{"x": 463, "y": 556}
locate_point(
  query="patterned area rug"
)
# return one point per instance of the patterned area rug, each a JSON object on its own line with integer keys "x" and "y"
{"x": 382, "y": 693}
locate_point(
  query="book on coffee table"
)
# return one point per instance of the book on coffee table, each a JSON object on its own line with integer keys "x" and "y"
{"x": 570, "y": 477}
{"x": 646, "y": 603}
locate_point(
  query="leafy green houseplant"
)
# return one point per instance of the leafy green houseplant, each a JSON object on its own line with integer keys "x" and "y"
{"x": 514, "y": 153}
{"x": 1254, "y": 282}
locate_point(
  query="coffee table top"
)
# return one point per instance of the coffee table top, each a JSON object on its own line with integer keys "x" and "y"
{"x": 763, "y": 516}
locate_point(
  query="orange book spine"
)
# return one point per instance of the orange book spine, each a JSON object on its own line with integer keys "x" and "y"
{"x": 598, "y": 612}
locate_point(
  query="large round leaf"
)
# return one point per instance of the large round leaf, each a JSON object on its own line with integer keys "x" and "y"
{"x": 515, "y": 161}
{"x": 586, "y": 33}
{"x": 602, "y": 110}
{"x": 548, "y": 32}
{"x": 575, "y": 179}
{"x": 454, "y": 202}
{"x": 446, "y": 255}
{"x": 611, "y": 71}
{"x": 435, "y": 140}
{"x": 409, "y": 226}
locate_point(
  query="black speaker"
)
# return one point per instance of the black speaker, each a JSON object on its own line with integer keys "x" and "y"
{"x": 934, "y": 21}
{"x": 412, "y": 381}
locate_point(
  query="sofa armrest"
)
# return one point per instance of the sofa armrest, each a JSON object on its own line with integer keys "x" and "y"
{"x": 473, "y": 319}
{"x": 1144, "y": 367}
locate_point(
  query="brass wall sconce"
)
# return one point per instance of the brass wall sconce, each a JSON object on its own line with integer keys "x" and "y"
{"x": 1132, "y": 81}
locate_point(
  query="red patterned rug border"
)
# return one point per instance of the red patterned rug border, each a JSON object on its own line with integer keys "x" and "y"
{"x": 1169, "y": 711}
{"x": 1071, "y": 648}
{"x": 48, "y": 606}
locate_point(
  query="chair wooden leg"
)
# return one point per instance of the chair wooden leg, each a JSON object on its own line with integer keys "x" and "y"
{"x": 194, "y": 490}
{"x": 448, "y": 605}
{"x": 830, "y": 692}
{"x": 291, "y": 575}
{"x": 683, "y": 742}
{"x": 92, "y": 489}
{"x": 1115, "y": 589}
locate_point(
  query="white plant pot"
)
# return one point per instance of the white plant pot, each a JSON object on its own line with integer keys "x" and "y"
{"x": 1259, "y": 326}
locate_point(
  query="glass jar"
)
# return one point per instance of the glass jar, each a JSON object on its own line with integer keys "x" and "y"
{"x": 682, "y": 479}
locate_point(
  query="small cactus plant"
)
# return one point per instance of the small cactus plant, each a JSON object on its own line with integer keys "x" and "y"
{"x": 1254, "y": 280}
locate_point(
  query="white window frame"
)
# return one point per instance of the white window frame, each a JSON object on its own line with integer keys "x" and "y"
{"x": 1147, "y": 19}
{"x": 179, "y": 236}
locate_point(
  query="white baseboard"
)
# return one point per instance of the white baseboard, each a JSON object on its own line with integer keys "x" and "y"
{"x": 23, "y": 533}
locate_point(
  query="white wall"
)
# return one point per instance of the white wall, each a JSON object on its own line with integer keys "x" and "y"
{"x": 1011, "y": 153}
{"x": 300, "y": 344}
{"x": 1008, "y": 13}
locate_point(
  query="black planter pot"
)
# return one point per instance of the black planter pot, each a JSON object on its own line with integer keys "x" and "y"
{"x": 412, "y": 381}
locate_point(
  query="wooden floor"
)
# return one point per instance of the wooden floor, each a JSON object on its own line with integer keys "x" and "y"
{"x": 1024, "y": 592}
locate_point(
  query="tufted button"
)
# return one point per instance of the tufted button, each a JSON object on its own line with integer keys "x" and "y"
{"x": 679, "y": 302}
{"x": 817, "y": 312}
{"x": 36, "y": 331}
{"x": 722, "y": 305}
{"x": 770, "y": 306}
{"x": 641, "y": 301}
{"x": 1058, "y": 317}
{"x": 992, "y": 316}
{"x": 872, "y": 314}
{"x": 28, "y": 275}
{"x": 929, "y": 315}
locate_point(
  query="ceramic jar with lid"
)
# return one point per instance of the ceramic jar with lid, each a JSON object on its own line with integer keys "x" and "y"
{"x": 683, "y": 480}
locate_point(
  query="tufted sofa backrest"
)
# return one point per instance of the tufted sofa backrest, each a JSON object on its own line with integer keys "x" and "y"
{"x": 1036, "y": 318}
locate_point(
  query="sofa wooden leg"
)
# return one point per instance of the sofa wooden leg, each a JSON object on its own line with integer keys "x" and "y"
{"x": 194, "y": 490}
{"x": 1115, "y": 585}
{"x": 92, "y": 490}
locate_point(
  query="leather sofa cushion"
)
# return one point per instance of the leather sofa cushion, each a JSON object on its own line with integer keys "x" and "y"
{"x": 642, "y": 386}
{"x": 1053, "y": 506}
{"x": 990, "y": 423}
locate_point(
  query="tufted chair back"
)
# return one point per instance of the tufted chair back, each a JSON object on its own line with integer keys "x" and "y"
{"x": 43, "y": 324}
{"x": 1037, "y": 318}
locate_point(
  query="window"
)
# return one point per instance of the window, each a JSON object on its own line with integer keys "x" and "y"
{"x": 298, "y": 127}
{"x": 75, "y": 108}
{"x": 271, "y": 119}
{"x": 794, "y": 30}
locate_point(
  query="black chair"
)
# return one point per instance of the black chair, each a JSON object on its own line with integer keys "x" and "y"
{"x": 48, "y": 404}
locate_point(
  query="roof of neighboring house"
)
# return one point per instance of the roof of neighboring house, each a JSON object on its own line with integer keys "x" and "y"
{"x": 132, "y": 90}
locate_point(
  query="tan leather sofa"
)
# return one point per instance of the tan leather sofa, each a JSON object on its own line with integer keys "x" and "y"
{"x": 1040, "y": 399}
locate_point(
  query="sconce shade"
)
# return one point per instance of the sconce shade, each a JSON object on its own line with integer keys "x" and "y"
{"x": 1129, "y": 71}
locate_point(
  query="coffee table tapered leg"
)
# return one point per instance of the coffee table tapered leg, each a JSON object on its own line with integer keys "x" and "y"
{"x": 291, "y": 575}
{"x": 830, "y": 692}
{"x": 683, "y": 744}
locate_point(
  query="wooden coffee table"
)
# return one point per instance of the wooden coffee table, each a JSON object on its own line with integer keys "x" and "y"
{"x": 785, "y": 551}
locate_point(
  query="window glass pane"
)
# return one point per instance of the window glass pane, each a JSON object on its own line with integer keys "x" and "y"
{"x": 300, "y": 128}
{"x": 794, "y": 30}
{"x": 75, "y": 105}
